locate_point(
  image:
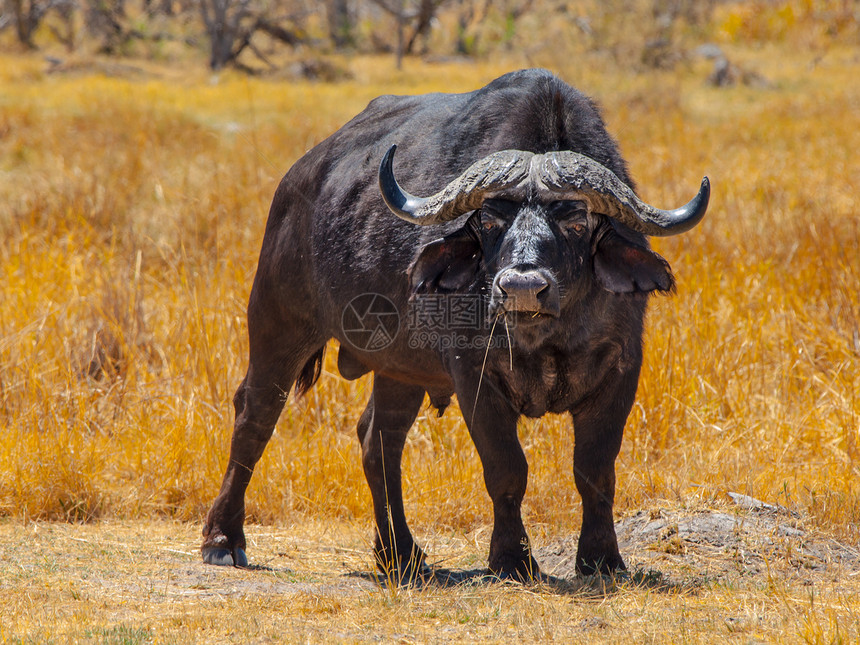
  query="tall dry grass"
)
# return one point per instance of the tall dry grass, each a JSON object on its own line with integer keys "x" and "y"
{"x": 131, "y": 213}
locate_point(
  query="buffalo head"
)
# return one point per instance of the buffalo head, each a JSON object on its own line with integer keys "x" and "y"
{"x": 544, "y": 228}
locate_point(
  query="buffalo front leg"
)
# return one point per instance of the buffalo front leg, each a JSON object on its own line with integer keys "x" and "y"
{"x": 492, "y": 423}
{"x": 257, "y": 411}
{"x": 382, "y": 432}
{"x": 598, "y": 428}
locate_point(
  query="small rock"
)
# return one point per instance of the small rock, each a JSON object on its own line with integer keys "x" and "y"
{"x": 753, "y": 504}
{"x": 709, "y": 51}
{"x": 727, "y": 74}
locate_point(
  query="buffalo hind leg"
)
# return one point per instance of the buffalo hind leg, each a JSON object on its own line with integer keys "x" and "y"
{"x": 598, "y": 428}
{"x": 382, "y": 431}
{"x": 258, "y": 403}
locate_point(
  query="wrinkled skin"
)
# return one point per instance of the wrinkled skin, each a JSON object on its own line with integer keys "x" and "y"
{"x": 571, "y": 284}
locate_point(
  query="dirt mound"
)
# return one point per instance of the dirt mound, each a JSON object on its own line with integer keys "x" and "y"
{"x": 715, "y": 544}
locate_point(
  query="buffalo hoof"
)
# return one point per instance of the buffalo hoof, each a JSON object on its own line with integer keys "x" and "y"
{"x": 589, "y": 566}
{"x": 406, "y": 576}
{"x": 217, "y": 550}
{"x": 406, "y": 571}
{"x": 225, "y": 558}
{"x": 515, "y": 568}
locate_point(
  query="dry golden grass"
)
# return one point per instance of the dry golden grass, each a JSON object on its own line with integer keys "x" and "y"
{"x": 131, "y": 213}
{"x": 141, "y": 582}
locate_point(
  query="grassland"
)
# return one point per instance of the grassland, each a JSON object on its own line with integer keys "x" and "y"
{"x": 131, "y": 213}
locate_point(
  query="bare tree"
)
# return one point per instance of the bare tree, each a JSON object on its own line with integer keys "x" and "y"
{"x": 340, "y": 23}
{"x": 223, "y": 21}
{"x": 424, "y": 16}
{"x": 65, "y": 31}
{"x": 419, "y": 14}
{"x": 26, "y": 16}
{"x": 231, "y": 24}
{"x": 469, "y": 11}
{"x": 397, "y": 8}
{"x": 472, "y": 13}
{"x": 164, "y": 7}
{"x": 106, "y": 20}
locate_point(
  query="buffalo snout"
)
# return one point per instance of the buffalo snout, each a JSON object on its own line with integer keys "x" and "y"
{"x": 526, "y": 291}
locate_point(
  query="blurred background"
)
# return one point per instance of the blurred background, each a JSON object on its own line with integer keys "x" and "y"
{"x": 259, "y": 36}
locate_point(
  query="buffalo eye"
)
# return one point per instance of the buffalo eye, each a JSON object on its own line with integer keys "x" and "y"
{"x": 488, "y": 222}
{"x": 496, "y": 212}
{"x": 571, "y": 216}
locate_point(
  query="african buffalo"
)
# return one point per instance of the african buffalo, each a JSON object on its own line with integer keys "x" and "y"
{"x": 520, "y": 285}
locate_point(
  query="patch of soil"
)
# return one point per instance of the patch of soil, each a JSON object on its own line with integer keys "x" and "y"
{"x": 665, "y": 549}
{"x": 716, "y": 546}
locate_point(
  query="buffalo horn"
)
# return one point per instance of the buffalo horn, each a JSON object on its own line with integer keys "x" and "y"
{"x": 519, "y": 175}
{"x": 570, "y": 175}
{"x": 492, "y": 175}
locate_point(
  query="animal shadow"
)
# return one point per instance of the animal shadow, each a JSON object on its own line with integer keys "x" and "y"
{"x": 597, "y": 586}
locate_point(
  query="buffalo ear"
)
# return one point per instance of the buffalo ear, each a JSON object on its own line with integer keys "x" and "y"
{"x": 622, "y": 266}
{"x": 447, "y": 264}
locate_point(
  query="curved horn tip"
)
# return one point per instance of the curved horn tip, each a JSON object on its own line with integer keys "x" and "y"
{"x": 392, "y": 194}
{"x": 698, "y": 206}
{"x": 704, "y": 195}
{"x": 703, "y": 198}
{"x": 691, "y": 213}
{"x": 386, "y": 166}
{"x": 398, "y": 200}
{"x": 389, "y": 156}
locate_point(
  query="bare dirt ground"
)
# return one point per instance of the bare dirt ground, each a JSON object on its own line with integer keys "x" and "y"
{"x": 718, "y": 545}
{"x": 752, "y": 572}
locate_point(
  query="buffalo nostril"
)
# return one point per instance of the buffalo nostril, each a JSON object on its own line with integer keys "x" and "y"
{"x": 515, "y": 283}
{"x": 524, "y": 290}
